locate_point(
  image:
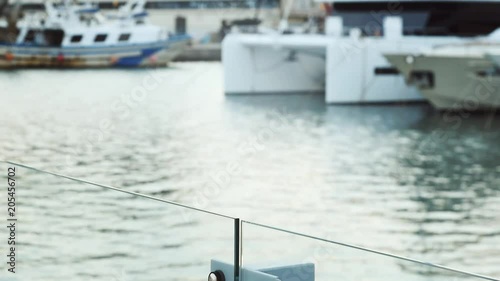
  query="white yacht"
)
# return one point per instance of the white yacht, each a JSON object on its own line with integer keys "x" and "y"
{"x": 78, "y": 35}
{"x": 346, "y": 61}
{"x": 455, "y": 77}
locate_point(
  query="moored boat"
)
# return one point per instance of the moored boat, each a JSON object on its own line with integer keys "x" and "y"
{"x": 454, "y": 77}
{"x": 79, "y": 36}
{"x": 347, "y": 61}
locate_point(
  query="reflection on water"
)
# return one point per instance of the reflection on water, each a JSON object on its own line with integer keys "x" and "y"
{"x": 399, "y": 178}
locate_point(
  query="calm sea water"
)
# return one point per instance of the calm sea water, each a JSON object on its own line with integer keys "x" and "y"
{"x": 397, "y": 178}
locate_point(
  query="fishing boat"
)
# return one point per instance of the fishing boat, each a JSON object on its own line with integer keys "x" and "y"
{"x": 455, "y": 77}
{"x": 71, "y": 35}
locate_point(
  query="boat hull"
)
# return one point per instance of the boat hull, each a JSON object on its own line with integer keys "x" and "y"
{"x": 452, "y": 82}
{"x": 259, "y": 64}
{"x": 136, "y": 55}
{"x": 348, "y": 70}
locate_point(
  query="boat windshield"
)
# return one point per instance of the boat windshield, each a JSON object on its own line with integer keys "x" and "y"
{"x": 45, "y": 38}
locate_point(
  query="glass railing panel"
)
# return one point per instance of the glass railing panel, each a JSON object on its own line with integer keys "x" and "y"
{"x": 293, "y": 256}
{"x": 72, "y": 230}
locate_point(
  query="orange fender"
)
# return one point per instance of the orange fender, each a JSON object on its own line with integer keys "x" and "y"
{"x": 9, "y": 56}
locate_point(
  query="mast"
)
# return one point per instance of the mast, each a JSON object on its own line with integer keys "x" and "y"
{"x": 3, "y": 6}
{"x": 11, "y": 14}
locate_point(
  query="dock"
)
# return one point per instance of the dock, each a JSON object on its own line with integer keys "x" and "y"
{"x": 201, "y": 52}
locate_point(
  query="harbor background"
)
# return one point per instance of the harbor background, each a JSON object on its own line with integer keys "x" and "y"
{"x": 202, "y": 17}
{"x": 401, "y": 178}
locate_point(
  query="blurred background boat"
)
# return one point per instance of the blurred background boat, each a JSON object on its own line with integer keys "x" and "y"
{"x": 341, "y": 54}
{"x": 79, "y": 35}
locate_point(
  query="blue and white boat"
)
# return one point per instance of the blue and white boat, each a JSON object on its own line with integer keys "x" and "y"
{"x": 74, "y": 35}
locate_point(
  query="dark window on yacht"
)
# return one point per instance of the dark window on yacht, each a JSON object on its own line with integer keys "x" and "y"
{"x": 488, "y": 72}
{"x": 422, "y": 79}
{"x": 53, "y": 37}
{"x": 30, "y": 36}
{"x": 386, "y": 71}
{"x": 76, "y": 38}
{"x": 124, "y": 37}
{"x": 100, "y": 37}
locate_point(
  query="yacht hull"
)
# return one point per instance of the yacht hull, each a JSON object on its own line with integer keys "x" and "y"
{"x": 262, "y": 64}
{"x": 451, "y": 82}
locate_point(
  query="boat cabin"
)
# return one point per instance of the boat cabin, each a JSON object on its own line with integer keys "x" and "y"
{"x": 44, "y": 37}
